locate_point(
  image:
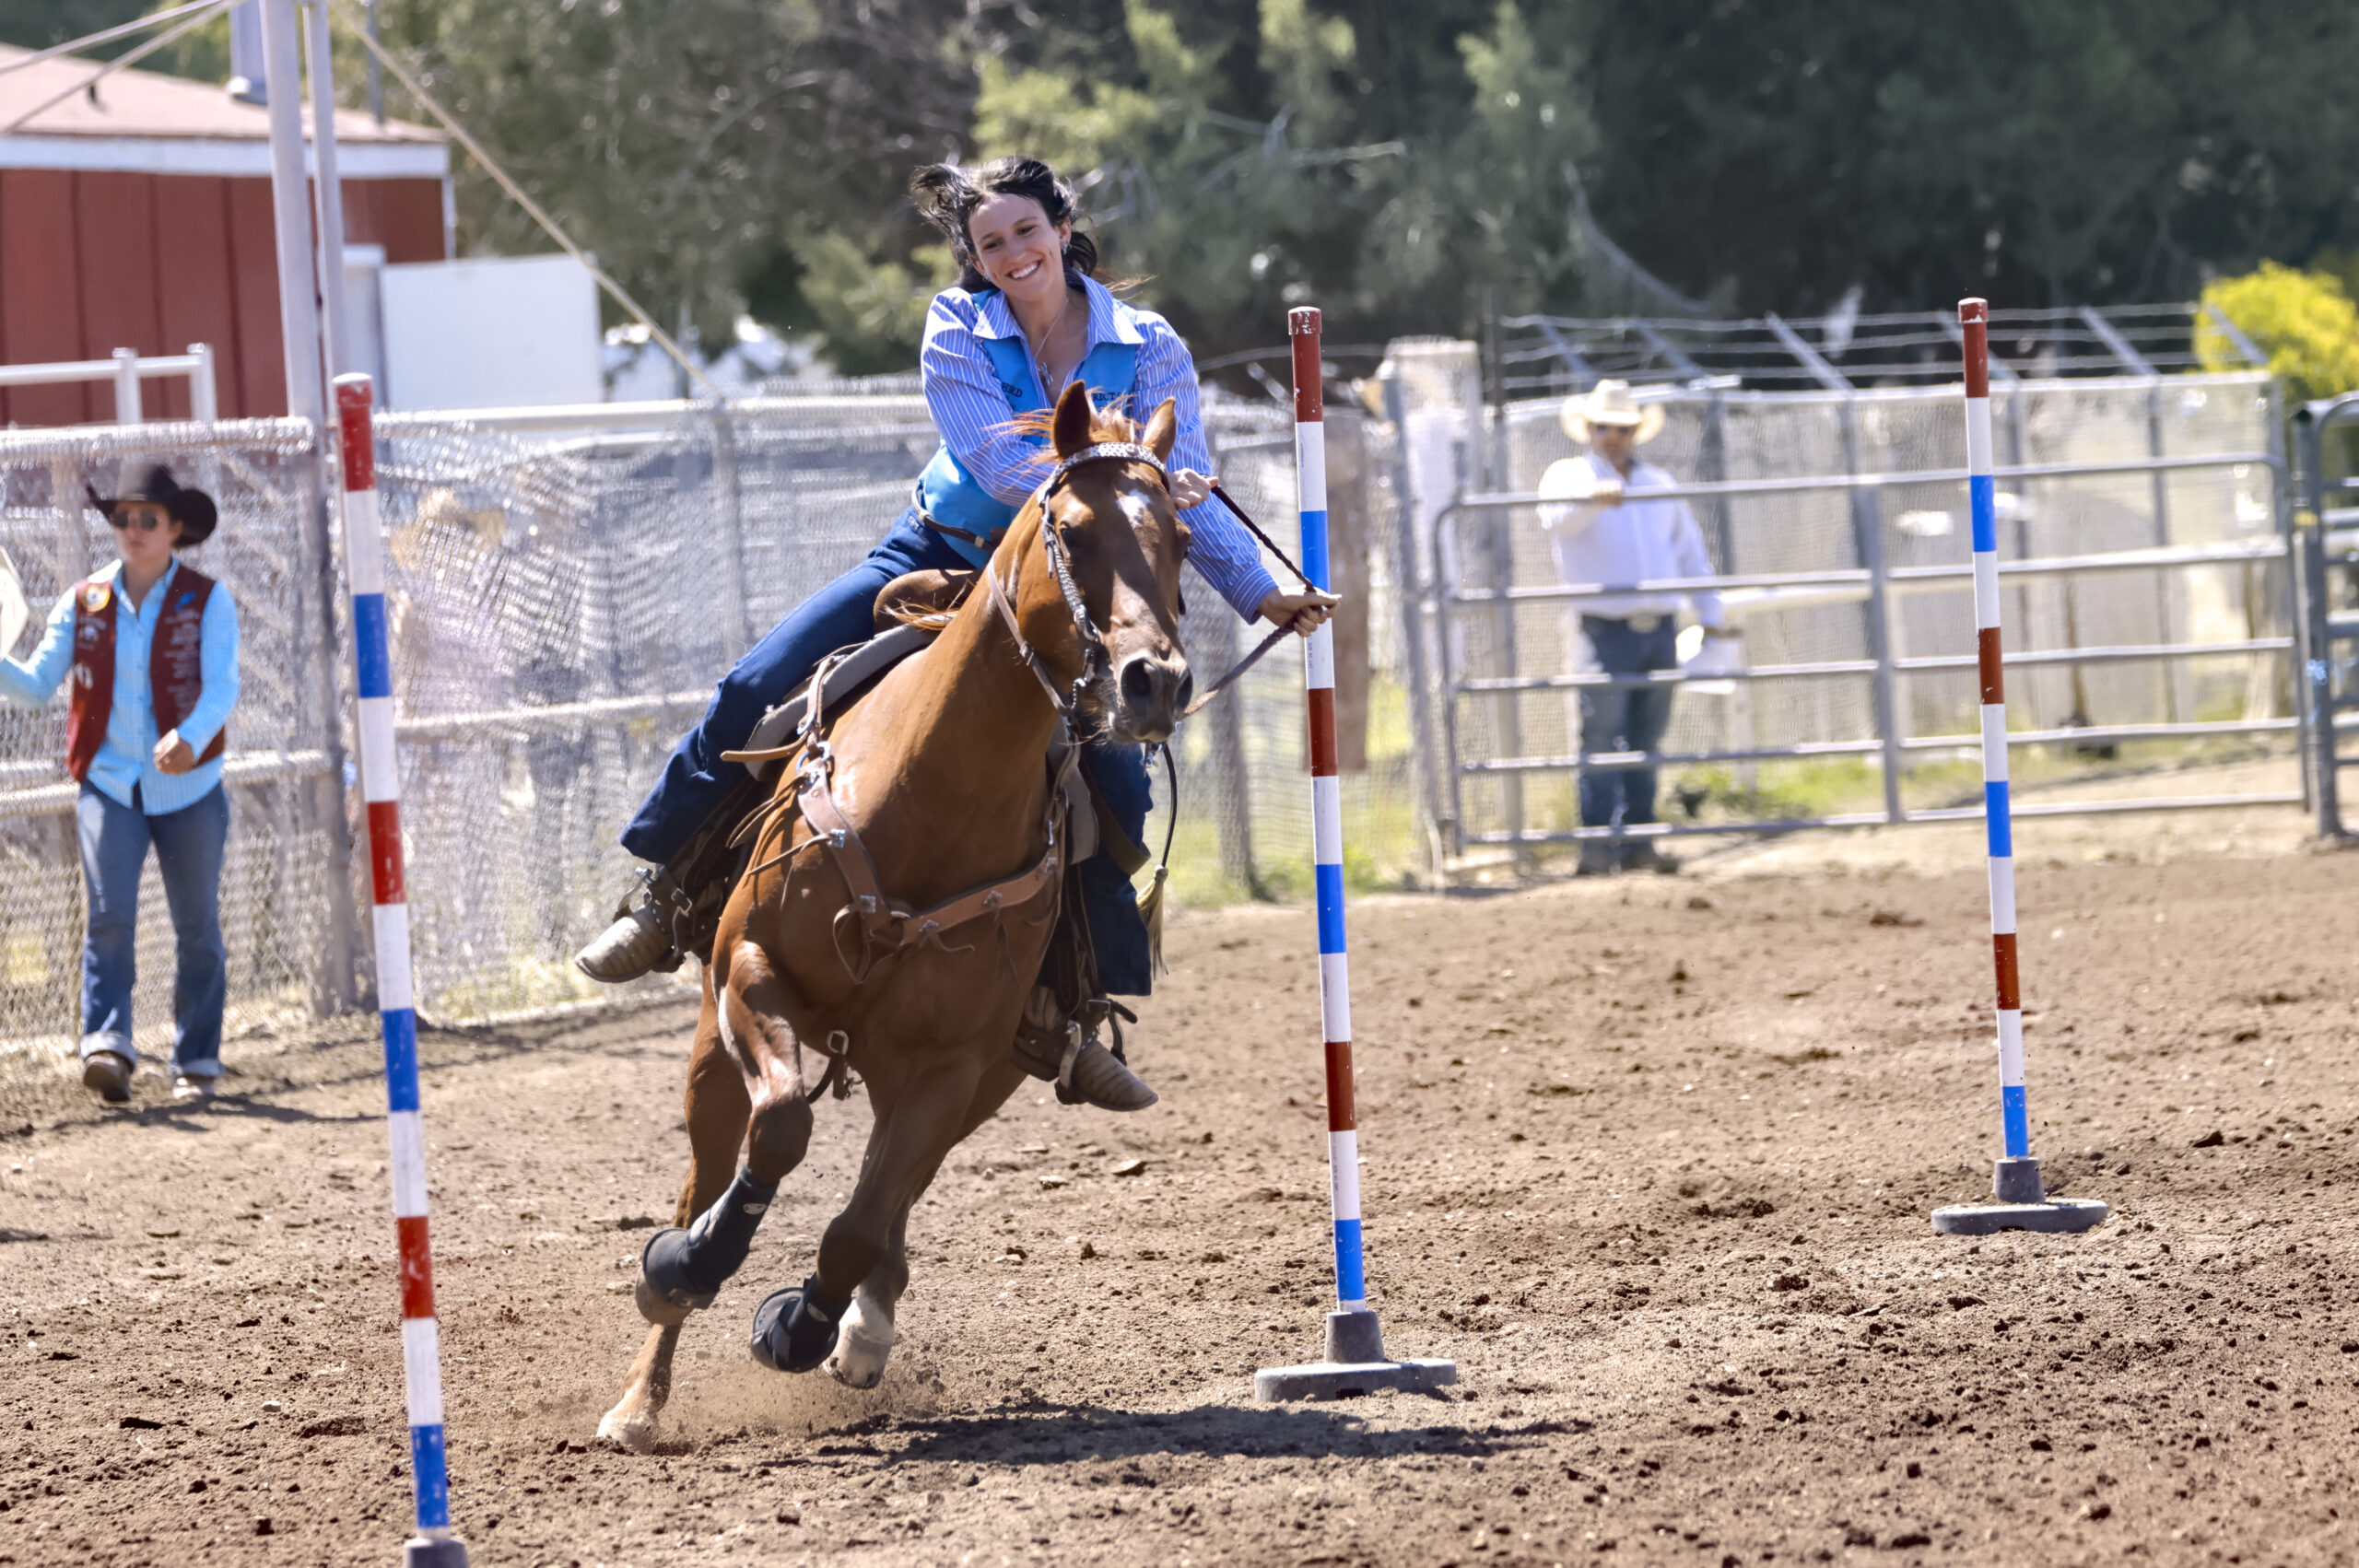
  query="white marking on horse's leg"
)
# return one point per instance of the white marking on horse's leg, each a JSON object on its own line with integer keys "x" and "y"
{"x": 863, "y": 1342}
{"x": 632, "y": 1422}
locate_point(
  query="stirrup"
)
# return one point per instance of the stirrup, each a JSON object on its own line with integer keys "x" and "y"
{"x": 1082, "y": 1068}
{"x": 644, "y": 936}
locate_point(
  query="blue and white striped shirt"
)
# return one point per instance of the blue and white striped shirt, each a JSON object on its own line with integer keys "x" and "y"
{"x": 963, "y": 391}
{"x": 126, "y": 756}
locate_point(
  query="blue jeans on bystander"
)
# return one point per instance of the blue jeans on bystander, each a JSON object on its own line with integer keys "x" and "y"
{"x": 189, "y": 844}
{"x": 1624, "y": 718}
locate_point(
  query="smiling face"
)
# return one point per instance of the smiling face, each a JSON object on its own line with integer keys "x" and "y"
{"x": 143, "y": 534}
{"x": 1017, "y": 250}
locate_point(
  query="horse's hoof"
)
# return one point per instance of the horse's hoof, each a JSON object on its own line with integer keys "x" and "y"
{"x": 862, "y": 1347}
{"x": 664, "y": 1294}
{"x": 794, "y": 1328}
{"x": 635, "y": 1430}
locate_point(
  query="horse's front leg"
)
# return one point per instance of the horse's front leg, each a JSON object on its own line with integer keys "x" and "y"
{"x": 716, "y": 1110}
{"x": 796, "y": 1328}
{"x": 869, "y": 1331}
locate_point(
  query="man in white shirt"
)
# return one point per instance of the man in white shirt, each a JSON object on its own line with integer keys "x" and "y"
{"x": 1605, "y": 535}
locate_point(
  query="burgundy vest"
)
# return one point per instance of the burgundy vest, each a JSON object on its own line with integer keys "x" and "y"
{"x": 175, "y": 664}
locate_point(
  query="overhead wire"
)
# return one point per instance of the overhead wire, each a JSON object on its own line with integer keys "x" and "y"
{"x": 359, "y": 28}
{"x": 107, "y": 35}
{"x": 203, "y": 13}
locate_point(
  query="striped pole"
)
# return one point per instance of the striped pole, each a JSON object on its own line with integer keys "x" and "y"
{"x": 1974, "y": 321}
{"x": 380, "y": 791}
{"x": 1356, "y": 1361}
{"x": 2023, "y": 1199}
{"x": 1327, "y": 817}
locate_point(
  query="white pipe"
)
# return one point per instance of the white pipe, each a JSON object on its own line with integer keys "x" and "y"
{"x": 127, "y": 386}
{"x": 298, "y": 302}
{"x": 327, "y": 189}
{"x": 204, "y": 404}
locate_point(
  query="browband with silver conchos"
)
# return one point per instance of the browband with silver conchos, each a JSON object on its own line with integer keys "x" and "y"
{"x": 1127, "y": 451}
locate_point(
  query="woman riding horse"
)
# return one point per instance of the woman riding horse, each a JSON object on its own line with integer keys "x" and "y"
{"x": 1028, "y": 318}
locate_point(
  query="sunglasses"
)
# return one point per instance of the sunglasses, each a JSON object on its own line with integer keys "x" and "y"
{"x": 146, "y": 521}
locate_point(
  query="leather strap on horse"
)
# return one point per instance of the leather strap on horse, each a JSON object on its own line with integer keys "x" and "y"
{"x": 887, "y": 928}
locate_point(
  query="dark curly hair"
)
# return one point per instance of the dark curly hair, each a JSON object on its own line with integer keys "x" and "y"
{"x": 947, "y": 195}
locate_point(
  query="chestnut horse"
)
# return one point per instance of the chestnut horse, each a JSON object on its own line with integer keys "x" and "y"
{"x": 938, "y": 772}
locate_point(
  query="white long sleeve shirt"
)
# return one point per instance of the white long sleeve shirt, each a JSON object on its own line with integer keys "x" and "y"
{"x": 1638, "y": 540}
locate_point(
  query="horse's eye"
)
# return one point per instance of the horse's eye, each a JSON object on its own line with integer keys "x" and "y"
{"x": 1187, "y": 536}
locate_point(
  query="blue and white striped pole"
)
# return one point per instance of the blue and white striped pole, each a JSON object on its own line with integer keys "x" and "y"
{"x": 364, "y": 561}
{"x": 1356, "y": 1361}
{"x": 2023, "y": 1199}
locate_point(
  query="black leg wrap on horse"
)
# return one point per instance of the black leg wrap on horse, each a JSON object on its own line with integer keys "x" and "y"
{"x": 795, "y": 1328}
{"x": 687, "y": 1268}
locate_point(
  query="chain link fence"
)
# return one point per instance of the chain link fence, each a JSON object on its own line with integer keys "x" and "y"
{"x": 559, "y": 604}
{"x": 561, "y": 599}
{"x": 276, "y": 889}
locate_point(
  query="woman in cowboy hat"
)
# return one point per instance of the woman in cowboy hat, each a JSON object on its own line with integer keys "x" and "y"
{"x": 151, "y": 645}
{"x": 1606, "y": 535}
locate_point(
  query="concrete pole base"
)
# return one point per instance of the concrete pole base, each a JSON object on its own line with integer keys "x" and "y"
{"x": 2023, "y": 1205}
{"x": 2065, "y": 1215}
{"x": 444, "y": 1553}
{"x": 1356, "y": 1365}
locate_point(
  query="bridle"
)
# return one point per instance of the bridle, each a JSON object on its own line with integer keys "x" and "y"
{"x": 1096, "y": 662}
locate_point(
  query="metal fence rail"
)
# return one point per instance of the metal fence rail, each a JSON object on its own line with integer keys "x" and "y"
{"x": 2142, "y": 562}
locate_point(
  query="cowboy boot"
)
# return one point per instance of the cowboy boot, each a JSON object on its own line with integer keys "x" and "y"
{"x": 640, "y": 940}
{"x": 1064, "y": 1051}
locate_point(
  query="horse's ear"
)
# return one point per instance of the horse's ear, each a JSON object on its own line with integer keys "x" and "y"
{"x": 1070, "y": 432}
{"x": 1163, "y": 428}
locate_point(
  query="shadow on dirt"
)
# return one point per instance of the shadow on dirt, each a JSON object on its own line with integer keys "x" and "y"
{"x": 1045, "y": 1434}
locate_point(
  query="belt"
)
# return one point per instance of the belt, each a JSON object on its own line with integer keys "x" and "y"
{"x": 917, "y": 503}
{"x": 1642, "y": 625}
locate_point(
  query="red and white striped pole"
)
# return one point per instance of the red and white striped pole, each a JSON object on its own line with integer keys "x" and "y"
{"x": 2023, "y": 1199}
{"x": 364, "y": 562}
{"x": 1355, "y": 1362}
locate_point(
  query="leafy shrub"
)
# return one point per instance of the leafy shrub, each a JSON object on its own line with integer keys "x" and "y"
{"x": 2303, "y": 320}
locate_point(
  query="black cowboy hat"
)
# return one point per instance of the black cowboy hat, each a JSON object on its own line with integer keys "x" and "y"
{"x": 192, "y": 508}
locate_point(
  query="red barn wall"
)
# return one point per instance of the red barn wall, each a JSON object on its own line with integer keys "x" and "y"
{"x": 91, "y": 262}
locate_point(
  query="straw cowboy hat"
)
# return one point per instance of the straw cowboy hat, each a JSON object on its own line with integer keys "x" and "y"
{"x": 1610, "y": 402}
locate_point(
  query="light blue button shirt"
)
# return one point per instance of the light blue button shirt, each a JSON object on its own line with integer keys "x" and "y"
{"x": 975, "y": 418}
{"x": 126, "y": 759}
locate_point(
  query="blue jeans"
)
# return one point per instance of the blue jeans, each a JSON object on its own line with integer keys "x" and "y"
{"x": 695, "y": 782}
{"x": 190, "y": 843}
{"x": 1621, "y": 719}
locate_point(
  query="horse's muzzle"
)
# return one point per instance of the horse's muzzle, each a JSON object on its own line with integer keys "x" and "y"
{"x": 1154, "y": 691}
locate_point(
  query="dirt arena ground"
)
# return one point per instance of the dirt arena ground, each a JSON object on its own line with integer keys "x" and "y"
{"x": 1652, "y": 1159}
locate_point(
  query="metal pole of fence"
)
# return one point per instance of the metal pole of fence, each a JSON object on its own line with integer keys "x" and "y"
{"x": 1867, "y": 530}
{"x": 299, "y": 327}
{"x": 2316, "y": 623}
{"x": 435, "y": 1546}
{"x": 327, "y": 187}
{"x": 1410, "y": 591}
{"x": 2023, "y": 1201}
{"x": 733, "y": 516}
{"x": 1354, "y": 1361}
{"x": 127, "y": 386}
{"x": 204, "y": 400}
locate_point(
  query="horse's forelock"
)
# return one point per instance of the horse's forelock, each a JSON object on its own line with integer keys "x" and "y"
{"x": 1106, "y": 424}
